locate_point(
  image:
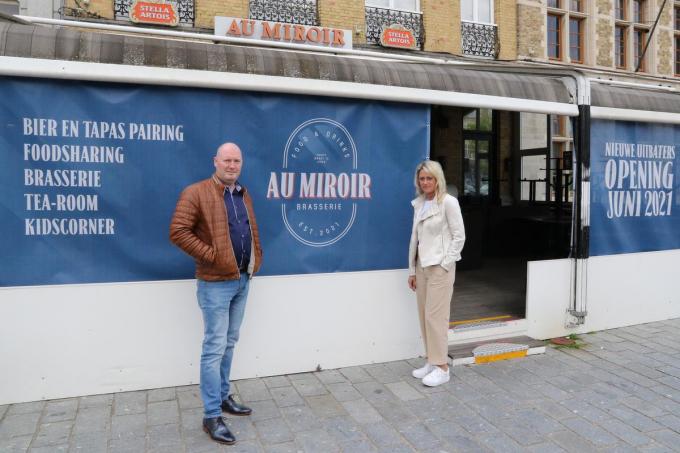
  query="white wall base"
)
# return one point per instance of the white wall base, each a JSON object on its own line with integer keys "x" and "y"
{"x": 71, "y": 340}
{"x": 622, "y": 290}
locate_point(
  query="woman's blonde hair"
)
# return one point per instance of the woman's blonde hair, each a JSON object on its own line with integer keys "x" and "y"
{"x": 435, "y": 170}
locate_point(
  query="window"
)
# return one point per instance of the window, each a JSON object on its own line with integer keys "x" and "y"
{"x": 621, "y": 10}
{"x": 554, "y": 45}
{"x": 620, "y": 46}
{"x": 576, "y": 40}
{"x": 403, "y": 5}
{"x": 566, "y": 30}
{"x": 477, "y": 138}
{"x": 477, "y": 11}
{"x": 639, "y": 11}
{"x": 640, "y": 37}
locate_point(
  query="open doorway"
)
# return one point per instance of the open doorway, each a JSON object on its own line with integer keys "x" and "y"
{"x": 512, "y": 174}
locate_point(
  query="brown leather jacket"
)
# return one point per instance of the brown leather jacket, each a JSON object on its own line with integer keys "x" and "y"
{"x": 200, "y": 228}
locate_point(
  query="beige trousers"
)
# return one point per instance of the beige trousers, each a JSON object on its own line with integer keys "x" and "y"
{"x": 434, "y": 289}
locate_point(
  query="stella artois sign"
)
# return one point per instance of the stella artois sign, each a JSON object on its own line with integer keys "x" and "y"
{"x": 396, "y": 35}
{"x": 149, "y": 12}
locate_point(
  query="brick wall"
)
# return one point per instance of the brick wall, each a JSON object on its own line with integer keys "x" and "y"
{"x": 441, "y": 20}
{"x": 206, "y": 10}
{"x": 531, "y": 36}
{"x": 344, "y": 14}
{"x": 505, "y": 15}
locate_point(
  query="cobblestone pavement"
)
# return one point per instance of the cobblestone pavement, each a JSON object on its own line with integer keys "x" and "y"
{"x": 619, "y": 392}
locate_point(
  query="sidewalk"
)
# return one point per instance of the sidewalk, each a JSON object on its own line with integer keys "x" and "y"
{"x": 620, "y": 392}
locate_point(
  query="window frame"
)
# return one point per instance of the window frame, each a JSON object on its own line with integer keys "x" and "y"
{"x": 559, "y": 45}
{"x": 564, "y": 33}
{"x": 676, "y": 38}
{"x": 475, "y": 13}
{"x": 581, "y": 37}
{"x": 369, "y": 3}
{"x": 623, "y": 47}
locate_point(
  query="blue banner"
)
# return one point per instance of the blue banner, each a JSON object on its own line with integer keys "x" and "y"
{"x": 634, "y": 188}
{"x": 91, "y": 174}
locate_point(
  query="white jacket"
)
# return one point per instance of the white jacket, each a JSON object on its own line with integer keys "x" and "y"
{"x": 437, "y": 237}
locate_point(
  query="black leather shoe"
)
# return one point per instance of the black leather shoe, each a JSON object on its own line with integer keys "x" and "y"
{"x": 234, "y": 408}
{"x": 218, "y": 431}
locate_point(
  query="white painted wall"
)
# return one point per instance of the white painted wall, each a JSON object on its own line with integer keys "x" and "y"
{"x": 62, "y": 341}
{"x": 622, "y": 290}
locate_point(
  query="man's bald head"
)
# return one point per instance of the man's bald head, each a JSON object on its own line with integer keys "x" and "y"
{"x": 228, "y": 162}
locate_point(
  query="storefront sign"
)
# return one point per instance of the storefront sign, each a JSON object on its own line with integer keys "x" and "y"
{"x": 153, "y": 13}
{"x": 281, "y": 32}
{"x": 398, "y": 36}
{"x": 635, "y": 187}
{"x": 90, "y": 183}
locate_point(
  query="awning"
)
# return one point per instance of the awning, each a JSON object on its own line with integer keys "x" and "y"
{"x": 68, "y": 53}
{"x": 634, "y": 103}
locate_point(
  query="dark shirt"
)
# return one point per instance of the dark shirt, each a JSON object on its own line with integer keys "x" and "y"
{"x": 239, "y": 226}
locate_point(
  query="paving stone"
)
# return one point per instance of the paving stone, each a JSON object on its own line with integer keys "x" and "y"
{"x": 343, "y": 429}
{"x": 248, "y": 446}
{"x": 273, "y": 431}
{"x": 403, "y": 391}
{"x": 129, "y": 403}
{"x": 286, "y": 396}
{"x": 165, "y": 394}
{"x": 669, "y": 421}
{"x": 381, "y": 373}
{"x": 96, "y": 442}
{"x": 309, "y": 385}
{"x": 26, "y": 408}
{"x": 276, "y": 381}
{"x": 263, "y": 410}
{"x": 356, "y": 446}
{"x": 301, "y": 418}
{"x": 330, "y": 377}
{"x": 547, "y": 447}
{"x": 624, "y": 432}
{"x": 596, "y": 435}
{"x": 17, "y": 444}
{"x": 189, "y": 398}
{"x": 253, "y": 390}
{"x": 634, "y": 419}
{"x": 572, "y": 442}
{"x": 500, "y": 443}
{"x": 286, "y": 447}
{"x": 325, "y": 406}
{"x": 401, "y": 448}
{"x": 163, "y": 437}
{"x": 242, "y": 427}
{"x": 162, "y": 412}
{"x": 3, "y": 410}
{"x": 50, "y": 449}
{"x": 417, "y": 434}
{"x": 127, "y": 445}
{"x": 394, "y": 411}
{"x": 375, "y": 392}
{"x": 669, "y": 438}
{"x": 18, "y": 425}
{"x": 191, "y": 418}
{"x": 316, "y": 441}
{"x": 585, "y": 410}
{"x": 644, "y": 407}
{"x": 356, "y": 374}
{"x": 85, "y": 402}
{"x": 343, "y": 391}
{"x": 362, "y": 411}
{"x": 383, "y": 434}
{"x": 537, "y": 421}
{"x": 56, "y": 433}
{"x": 91, "y": 419}
{"x": 553, "y": 410}
{"x": 124, "y": 426}
{"x": 60, "y": 410}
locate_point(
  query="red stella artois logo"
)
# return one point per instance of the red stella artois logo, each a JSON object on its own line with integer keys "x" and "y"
{"x": 153, "y": 13}
{"x": 396, "y": 35}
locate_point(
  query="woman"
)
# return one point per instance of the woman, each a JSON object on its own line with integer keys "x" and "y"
{"x": 437, "y": 239}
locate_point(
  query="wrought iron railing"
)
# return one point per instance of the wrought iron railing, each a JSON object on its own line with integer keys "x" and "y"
{"x": 376, "y": 18}
{"x": 479, "y": 39}
{"x": 303, "y": 12}
{"x": 185, "y": 10}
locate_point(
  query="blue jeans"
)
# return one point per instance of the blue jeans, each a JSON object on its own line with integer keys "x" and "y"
{"x": 223, "y": 304}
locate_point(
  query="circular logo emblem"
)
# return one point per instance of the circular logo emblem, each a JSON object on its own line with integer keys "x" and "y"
{"x": 319, "y": 185}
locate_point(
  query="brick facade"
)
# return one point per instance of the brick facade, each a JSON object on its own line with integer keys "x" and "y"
{"x": 441, "y": 20}
{"x": 531, "y": 36}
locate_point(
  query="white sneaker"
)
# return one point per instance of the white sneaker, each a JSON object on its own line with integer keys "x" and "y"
{"x": 424, "y": 371}
{"x": 436, "y": 377}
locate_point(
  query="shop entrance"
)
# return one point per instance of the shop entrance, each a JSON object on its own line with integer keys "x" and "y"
{"x": 512, "y": 175}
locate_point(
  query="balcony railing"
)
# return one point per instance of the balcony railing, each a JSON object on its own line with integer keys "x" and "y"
{"x": 376, "y": 18}
{"x": 302, "y": 12}
{"x": 185, "y": 10}
{"x": 480, "y": 40}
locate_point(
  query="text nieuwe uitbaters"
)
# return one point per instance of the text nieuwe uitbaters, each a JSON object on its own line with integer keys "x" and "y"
{"x": 79, "y": 175}
{"x": 638, "y": 179}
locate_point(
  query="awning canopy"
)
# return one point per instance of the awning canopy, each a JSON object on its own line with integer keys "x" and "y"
{"x": 634, "y": 103}
{"x": 347, "y": 76}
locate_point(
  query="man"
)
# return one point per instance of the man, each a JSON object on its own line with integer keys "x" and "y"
{"x": 214, "y": 222}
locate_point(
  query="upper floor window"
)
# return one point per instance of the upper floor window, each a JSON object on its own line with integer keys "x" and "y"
{"x": 630, "y": 34}
{"x": 677, "y": 37}
{"x": 621, "y": 10}
{"x": 639, "y": 11}
{"x": 620, "y": 42}
{"x": 402, "y": 5}
{"x": 566, "y": 23}
{"x": 477, "y": 11}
